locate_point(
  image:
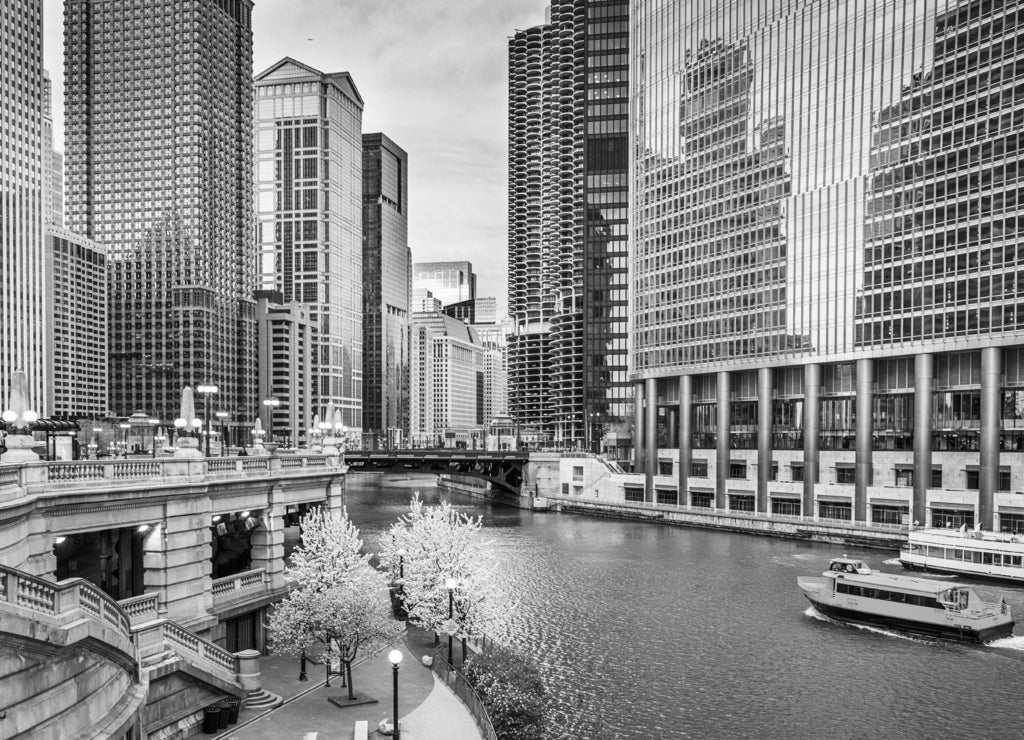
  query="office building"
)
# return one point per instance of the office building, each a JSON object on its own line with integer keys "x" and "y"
{"x": 387, "y": 291}
{"x": 825, "y": 274}
{"x": 285, "y": 341}
{"x": 568, "y": 204}
{"x": 22, "y": 294}
{"x": 449, "y": 282}
{"x": 53, "y": 164}
{"x": 159, "y": 170}
{"x": 309, "y": 203}
{"x": 474, "y": 310}
{"x": 76, "y": 316}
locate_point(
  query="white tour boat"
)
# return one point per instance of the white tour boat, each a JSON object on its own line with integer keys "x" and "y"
{"x": 850, "y": 591}
{"x": 965, "y": 552}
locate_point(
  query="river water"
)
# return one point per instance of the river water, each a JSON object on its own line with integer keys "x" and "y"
{"x": 645, "y": 630}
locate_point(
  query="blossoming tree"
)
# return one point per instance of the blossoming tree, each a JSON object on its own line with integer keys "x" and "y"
{"x": 340, "y": 603}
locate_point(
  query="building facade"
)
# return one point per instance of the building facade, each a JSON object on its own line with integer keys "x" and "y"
{"x": 53, "y": 164}
{"x": 568, "y": 209}
{"x": 285, "y": 341}
{"x": 159, "y": 170}
{"x": 310, "y": 217}
{"x": 387, "y": 290}
{"x": 22, "y": 289}
{"x": 825, "y": 276}
{"x": 76, "y": 316}
{"x": 449, "y": 282}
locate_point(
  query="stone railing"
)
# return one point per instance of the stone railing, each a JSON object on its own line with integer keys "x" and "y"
{"x": 142, "y": 608}
{"x": 193, "y": 646}
{"x": 64, "y": 600}
{"x": 231, "y": 585}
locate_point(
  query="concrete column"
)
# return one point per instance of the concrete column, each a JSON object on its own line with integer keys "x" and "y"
{"x": 863, "y": 469}
{"x": 672, "y": 425}
{"x": 638, "y": 427}
{"x": 988, "y": 465}
{"x": 722, "y": 395}
{"x": 180, "y": 574}
{"x": 764, "y": 436}
{"x": 267, "y": 540}
{"x": 336, "y": 494}
{"x": 651, "y": 437}
{"x": 924, "y": 380}
{"x": 247, "y": 664}
{"x": 812, "y": 393}
{"x": 685, "y": 436}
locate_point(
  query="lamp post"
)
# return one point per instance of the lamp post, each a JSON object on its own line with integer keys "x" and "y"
{"x": 94, "y": 445}
{"x": 223, "y": 416}
{"x": 153, "y": 423}
{"x": 208, "y": 391}
{"x": 124, "y": 434}
{"x": 450, "y": 584}
{"x": 395, "y": 656}
{"x": 271, "y": 403}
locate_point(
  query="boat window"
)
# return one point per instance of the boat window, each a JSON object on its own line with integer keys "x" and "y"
{"x": 958, "y": 554}
{"x": 1015, "y": 561}
{"x": 976, "y": 557}
{"x": 997, "y": 559}
{"x": 986, "y": 558}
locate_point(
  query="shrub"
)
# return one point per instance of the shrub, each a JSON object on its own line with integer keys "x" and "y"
{"x": 511, "y": 689}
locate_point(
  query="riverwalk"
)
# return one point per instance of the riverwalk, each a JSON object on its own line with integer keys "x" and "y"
{"x": 427, "y": 709}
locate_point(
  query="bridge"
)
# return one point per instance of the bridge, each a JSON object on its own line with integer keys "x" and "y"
{"x": 504, "y": 470}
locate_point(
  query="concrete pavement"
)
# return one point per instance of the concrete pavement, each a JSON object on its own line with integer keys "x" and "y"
{"x": 428, "y": 710}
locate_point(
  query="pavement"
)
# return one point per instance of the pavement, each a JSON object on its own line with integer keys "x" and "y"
{"x": 427, "y": 708}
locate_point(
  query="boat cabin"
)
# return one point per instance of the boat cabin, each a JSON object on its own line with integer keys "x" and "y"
{"x": 848, "y": 565}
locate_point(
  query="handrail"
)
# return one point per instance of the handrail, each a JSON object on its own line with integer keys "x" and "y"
{"x": 62, "y": 599}
{"x": 465, "y": 692}
{"x": 239, "y": 581}
{"x": 195, "y": 645}
{"x": 137, "y": 607}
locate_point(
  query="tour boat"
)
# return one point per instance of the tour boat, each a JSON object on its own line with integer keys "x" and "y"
{"x": 965, "y": 552}
{"x": 850, "y": 591}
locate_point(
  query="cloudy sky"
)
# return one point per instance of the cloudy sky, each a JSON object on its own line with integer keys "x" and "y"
{"x": 433, "y": 76}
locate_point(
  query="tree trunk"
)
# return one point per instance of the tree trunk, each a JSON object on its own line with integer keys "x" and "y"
{"x": 346, "y": 667}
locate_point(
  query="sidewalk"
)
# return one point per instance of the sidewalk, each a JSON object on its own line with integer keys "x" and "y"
{"x": 427, "y": 709}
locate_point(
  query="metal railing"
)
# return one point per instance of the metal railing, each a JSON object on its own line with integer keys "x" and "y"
{"x": 466, "y": 694}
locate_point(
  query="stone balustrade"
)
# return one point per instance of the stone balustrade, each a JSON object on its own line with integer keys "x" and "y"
{"x": 142, "y": 608}
{"x": 239, "y": 582}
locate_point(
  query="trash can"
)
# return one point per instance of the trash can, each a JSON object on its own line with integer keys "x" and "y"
{"x": 231, "y": 707}
{"x": 222, "y": 719}
{"x": 211, "y": 719}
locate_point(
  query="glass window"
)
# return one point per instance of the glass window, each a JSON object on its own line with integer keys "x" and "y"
{"x": 738, "y": 470}
{"x": 699, "y": 469}
{"x": 846, "y": 476}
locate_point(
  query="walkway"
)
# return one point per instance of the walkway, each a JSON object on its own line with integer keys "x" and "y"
{"x": 427, "y": 708}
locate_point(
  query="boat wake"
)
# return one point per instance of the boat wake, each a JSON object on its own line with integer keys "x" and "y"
{"x": 1013, "y": 642}
{"x": 891, "y": 561}
{"x": 815, "y": 614}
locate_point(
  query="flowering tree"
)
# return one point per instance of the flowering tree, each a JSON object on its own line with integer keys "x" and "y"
{"x": 340, "y": 603}
{"x": 442, "y": 547}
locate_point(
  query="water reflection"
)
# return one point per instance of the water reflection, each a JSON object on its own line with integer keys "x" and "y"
{"x": 645, "y": 631}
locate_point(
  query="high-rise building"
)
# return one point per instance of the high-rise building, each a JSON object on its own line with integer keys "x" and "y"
{"x": 387, "y": 290}
{"x": 826, "y": 261}
{"x": 285, "y": 349}
{"x": 309, "y": 203}
{"x": 76, "y": 315}
{"x": 22, "y": 295}
{"x": 159, "y": 170}
{"x": 450, "y": 282}
{"x": 53, "y": 164}
{"x": 474, "y": 311}
{"x": 568, "y": 204}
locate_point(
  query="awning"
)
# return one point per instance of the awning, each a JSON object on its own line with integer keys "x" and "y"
{"x": 836, "y": 499}
{"x": 904, "y": 466}
{"x": 786, "y": 494}
{"x": 845, "y": 465}
{"x": 938, "y": 505}
{"x": 888, "y": 502}
{"x": 695, "y": 489}
{"x": 1011, "y": 510}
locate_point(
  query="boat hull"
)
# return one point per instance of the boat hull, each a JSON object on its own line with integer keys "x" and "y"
{"x": 907, "y": 625}
{"x": 932, "y": 568}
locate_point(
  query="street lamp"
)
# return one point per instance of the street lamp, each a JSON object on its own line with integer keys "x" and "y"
{"x": 124, "y": 430}
{"x": 271, "y": 403}
{"x": 450, "y": 584}
{"x": 207, "y": 390}
{"x": 223, "y": 416}
{"x": 153, "y": 423}
{"x": 395, "y": 656}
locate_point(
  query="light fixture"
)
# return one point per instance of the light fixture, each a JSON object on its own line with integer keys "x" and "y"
{"x": 143, "y": 527}
{"x": 245, "y": 514}
{"x": 217, "y": 518}
{"x": 58, "y": 540}
{"x": 395, "y": 656}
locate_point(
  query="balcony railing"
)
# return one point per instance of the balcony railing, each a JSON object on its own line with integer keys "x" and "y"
{"x": 239, "y": 582}
{"x": 141, "y": 608}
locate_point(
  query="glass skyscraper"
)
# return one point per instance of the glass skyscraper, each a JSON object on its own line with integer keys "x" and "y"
{"x": 568, "y": 208}
{"x": 22, "y": 299}
{"x": 825, "y": 271}
{"x": 309, "y": 203}
{"x": 159, "y": 170}
{"x": 387, "y": 289}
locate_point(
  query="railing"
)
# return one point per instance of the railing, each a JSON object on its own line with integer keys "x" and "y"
{"x": 61, "y": 599}
{"x": 141, "y": 608}
{"x": 8, "y": 476}
{"x": 240, "y": 582}
{"x": 222, "y": 464}
{"x": 195, "y": 646}
{"x": 467, "y": 695}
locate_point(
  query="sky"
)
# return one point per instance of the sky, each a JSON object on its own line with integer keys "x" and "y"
{"x": 434, "y": 78}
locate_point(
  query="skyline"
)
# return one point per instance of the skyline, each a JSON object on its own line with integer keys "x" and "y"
{"x": 455, "y": 133}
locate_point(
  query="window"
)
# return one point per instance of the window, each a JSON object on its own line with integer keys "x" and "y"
{"x": 699, "y": 469}
{"x": 774, "y": 473}
{"x": 952, "y": 518}
{"x": 667, "y": 496}
{"x": 1004, "y": 480}
{"x": 700, "y": 499}
{"x": 936, "y": 481}
{"x": 635, "y": 493}
{"x": 841, "y": 510}
{"x": 846, "y": 476}
{"x": 905, "y": 477}
{"x": 664, "y": 467}
{"x": 577, "y": 472}
{"x": 738, "y": 470}
{"x": 796, "y": 472}
{"x": 973, "y": 479}
{"x": 888, "y": 514}
{"x": 786, "y": 507}
{"x": 741, "y": 503}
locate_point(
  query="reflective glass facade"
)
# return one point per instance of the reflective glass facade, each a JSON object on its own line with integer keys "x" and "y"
{"x": 22, "y": 336}
{"x": 825, "y": 278}
{"x": 309, "y": 210}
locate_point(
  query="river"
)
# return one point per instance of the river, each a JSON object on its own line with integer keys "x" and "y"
{"x": 646, "y": 630}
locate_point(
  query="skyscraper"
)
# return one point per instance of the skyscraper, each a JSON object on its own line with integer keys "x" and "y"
{"x": 827, "y": 262}
{"x": 53, "y": 164}
{"x": 387, "y": 289}
{"x": 568, "y": 197}
{"x": 159, "y": 169}
{"x": 309, "y": 202}
{"x": 450, "y": 282}
{"x": 22, "y": 297}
